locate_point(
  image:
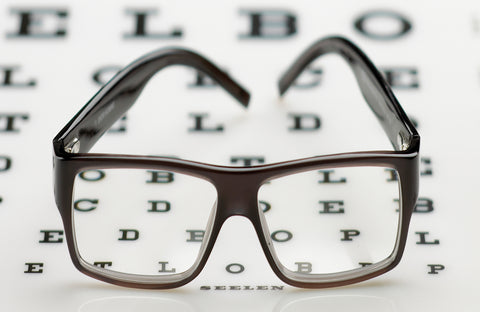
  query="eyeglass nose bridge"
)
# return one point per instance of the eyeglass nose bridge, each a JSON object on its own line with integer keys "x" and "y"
{"x": 237, "y": 196}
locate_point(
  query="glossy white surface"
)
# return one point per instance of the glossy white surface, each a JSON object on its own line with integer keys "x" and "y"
{"x": 443, "y": 46}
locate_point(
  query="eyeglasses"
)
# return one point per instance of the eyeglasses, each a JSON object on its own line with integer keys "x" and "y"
{"x": 151, "y": 222}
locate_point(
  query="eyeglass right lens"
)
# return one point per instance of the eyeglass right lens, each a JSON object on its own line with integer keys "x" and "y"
{"x": 141, "y": 222}
{"x": 332, "y": 220}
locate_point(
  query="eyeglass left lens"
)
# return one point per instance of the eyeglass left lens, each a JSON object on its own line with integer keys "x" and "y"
{"x": 143, "y": 222}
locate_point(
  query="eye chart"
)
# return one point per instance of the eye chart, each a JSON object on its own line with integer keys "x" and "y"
{"x": 56, "y": 55}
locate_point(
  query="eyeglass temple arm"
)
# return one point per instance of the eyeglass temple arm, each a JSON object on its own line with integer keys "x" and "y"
{"x": 120, "y": 93}
{"x": 375, "y": 90}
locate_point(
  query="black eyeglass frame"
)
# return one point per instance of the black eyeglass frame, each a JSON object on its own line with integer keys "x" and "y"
{"x": 237, "y": 187}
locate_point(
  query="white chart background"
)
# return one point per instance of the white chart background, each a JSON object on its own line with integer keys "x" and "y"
{"x": 443, "y": 46}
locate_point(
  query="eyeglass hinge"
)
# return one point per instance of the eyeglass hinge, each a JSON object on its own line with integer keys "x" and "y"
{"x": 403, "y": 141}
{"x": 73, "y": 146}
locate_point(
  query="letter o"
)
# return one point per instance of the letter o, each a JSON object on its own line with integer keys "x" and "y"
{"x": 404, "y": 25}
{"x": 92, "y": 175}
{"x": 281, "y": 236}
{"x": 235, "y": 268}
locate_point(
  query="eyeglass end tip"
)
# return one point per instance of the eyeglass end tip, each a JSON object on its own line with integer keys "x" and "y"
{"x": 244, "y": 98}
{"x": 282, "y": 87}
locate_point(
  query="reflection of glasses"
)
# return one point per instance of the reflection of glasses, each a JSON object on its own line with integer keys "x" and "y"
{"x": 148, "y": 222}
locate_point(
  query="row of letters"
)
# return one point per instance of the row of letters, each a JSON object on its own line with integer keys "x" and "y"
{"x": 233, "y": 268}
{"x": 279, "y": 236}
{"x": 424, "y": 205}
{"x": 398, "y": 77}
{"x": 56, "y": 236}
{"x": 271, "y": 24}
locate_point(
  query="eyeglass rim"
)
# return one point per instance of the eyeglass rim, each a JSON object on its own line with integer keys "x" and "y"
{"x": 406, "y": 165}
